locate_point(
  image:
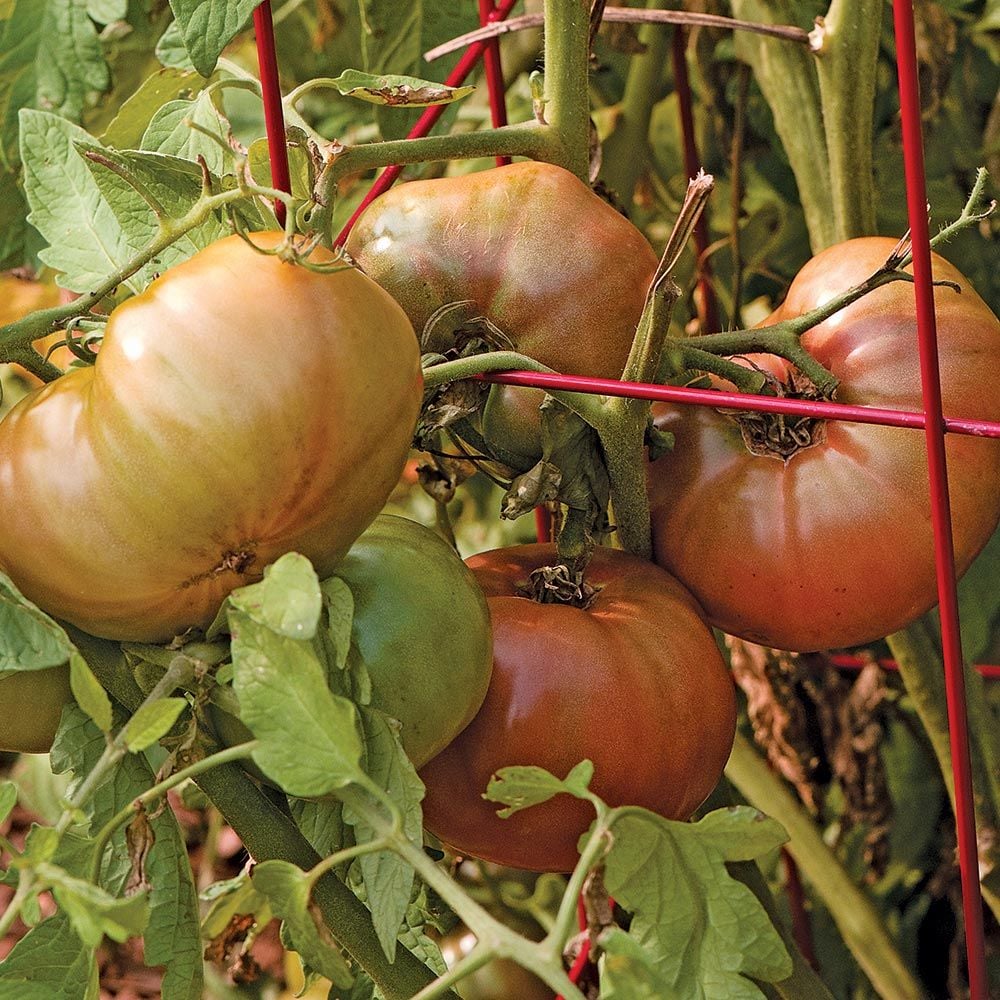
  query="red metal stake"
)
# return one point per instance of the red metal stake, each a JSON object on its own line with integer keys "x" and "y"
{"x": 274, "y": 116}
{"x": 426, "y": 121}
{"x": 944, "y": 555}
{"x": 494, "y": 73}
{"x": 708, "y": 313}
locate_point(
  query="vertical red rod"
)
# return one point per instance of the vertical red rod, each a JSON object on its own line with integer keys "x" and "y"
{"x": 494, "y": 74}
{"x": 801, "y": 927}
{"x": 274, "y": 117}
{"x": 916, "y": 199}
{"x": 426, "y": 121}
{"x": 708, "y": 313}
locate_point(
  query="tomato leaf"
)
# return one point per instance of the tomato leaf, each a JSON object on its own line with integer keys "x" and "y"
{"x": 92, "y": 911}
{"x": 406, "y": 91}
{"x": 208, "y": 26}
{"x": 89, "y": 694}
{"x": 172, "y": 937}
{"x": 86, "y": 241}
{"x": 287, "y": 601}
{"x": 388, "y": 879}
{"x": 171, "y": 131}
{"x": 132, "y": 119}
{"x": 627, "y": 969}
{"x": 338, "y": 603}
{"x": 310, "y": 738}
{"x": 49, "y": 963}
{"x": 152, "y": 722}
{"x": 288, "y": 890}
{"x": 705, "y": 931}
{"x": 230, "y": 898}
{"x": 520, "y": 787}
{"x": 29, "y": 638}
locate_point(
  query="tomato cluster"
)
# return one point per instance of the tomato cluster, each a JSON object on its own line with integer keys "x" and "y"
{"x": 221, "y": 428}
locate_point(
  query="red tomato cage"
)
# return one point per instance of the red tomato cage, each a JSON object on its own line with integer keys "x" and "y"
{"x": 931, "y": 419}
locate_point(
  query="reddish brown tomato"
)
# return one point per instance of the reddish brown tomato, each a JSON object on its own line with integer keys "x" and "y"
{"x": 832, "y": 546}
{"x": 634, "y": 683}
{"x": 240, "y": 408}
{"x": 555, "y": 268}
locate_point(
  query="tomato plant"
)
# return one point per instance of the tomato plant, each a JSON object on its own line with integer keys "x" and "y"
{"x": 217, "y": 430}
{"x": 634, "y": 682}
{"x": 499, "y": 979}
{"x": 421, "y": 630}
{"x": 32, "y": 703}
{"x": 500, "y": 238}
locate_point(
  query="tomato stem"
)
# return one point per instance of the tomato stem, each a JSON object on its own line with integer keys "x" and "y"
{"x": 846, "y": 44}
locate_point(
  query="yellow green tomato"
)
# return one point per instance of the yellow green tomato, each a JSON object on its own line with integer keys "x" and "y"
{"x": 31, "y": 703}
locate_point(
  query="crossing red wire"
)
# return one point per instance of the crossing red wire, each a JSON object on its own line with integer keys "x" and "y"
{"x": 944, "y": 555}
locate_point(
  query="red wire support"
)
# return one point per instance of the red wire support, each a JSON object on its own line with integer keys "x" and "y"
{"x": 427, "y": 120}
{"x": 944, "y": 555}
{"x": 494, "y": 73}
{"x": 274, "y": 115}
{"x": 844, "y": 661}
{"x": 708, "y": 313}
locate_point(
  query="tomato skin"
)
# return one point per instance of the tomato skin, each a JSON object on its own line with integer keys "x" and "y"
{"x": 835, "y": 547}
{"x": 230, "y": 418}
{"x": 31, "y": 703}
{"x": 422, "y": 629}
{"x": 561, "y": 273}
{"x": 634, "y": 683}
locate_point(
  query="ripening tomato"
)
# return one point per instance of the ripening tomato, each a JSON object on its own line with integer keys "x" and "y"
{"x": 240, "y": 408}
{"x": 498, "y": 979}
{"x": 559, "y": 272}
{"x": 31, "y": 703}
{"x": 422, "y": 630}
{"x": 634, "y": 683}
{"x": 830, "y": 544}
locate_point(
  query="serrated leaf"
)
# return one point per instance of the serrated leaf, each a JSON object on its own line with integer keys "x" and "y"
{"x": 208, "y": 26}
{"x": 29, "y": 638}
{"x": 85, "y": 240}
{"x": 338, "y": 602}
{"x": 704, "y": 932}
{"x": 49, "y": 963}
{"x": 287, "y": 601}
{"x": 524, "y": 786}
{"x": 89, "y": 694}
{"x": 172, "y": 938}
{"x": 50, "y": 57}
{"x": 172, "y": 183}
{"x": 388, "y": 879}
{"x": 310, "y": 739}
{"x": 627, "y": 970}
{"x": 8, "y": 798}
{"x": 41, "y": 843}
{"x": 152, "y": 722}
{"x": 288, "y": 890}
{"x": 106, "y": 11}
{"x": 170, "y": 131}
{"x": 397, "y": 91}
{"x": 92, "y": 911}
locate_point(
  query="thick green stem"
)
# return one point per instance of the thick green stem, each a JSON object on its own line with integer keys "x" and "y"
{"x": 567, "y": 94}
{"x": 846, "y": 43}
{"x": 787, "y": 77}
{"x": 853, "y": 912}
{"x": 921, "y": 668}
{"x": 626, "y": 151}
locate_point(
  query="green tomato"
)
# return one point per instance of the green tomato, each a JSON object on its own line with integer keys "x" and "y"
{"x": 31, "y": 703}
{"x": 421, "y": 628}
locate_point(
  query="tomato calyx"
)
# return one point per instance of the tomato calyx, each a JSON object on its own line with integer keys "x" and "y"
{"x": 782, "y": 435}
{"x": 558, "y": 585}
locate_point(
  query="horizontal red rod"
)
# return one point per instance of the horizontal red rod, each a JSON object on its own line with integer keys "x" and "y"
{"x": 991, "y": 671}
{"x": 740, "y": 401}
